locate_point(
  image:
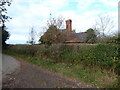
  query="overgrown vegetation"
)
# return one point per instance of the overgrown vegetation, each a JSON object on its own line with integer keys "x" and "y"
{"x": 53, "y": 36}
{"x": 83, "y": 60}
{"x": 54, "y": 33}
{"x": 91, "y": 36}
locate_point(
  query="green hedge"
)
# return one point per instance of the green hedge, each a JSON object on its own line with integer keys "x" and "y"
{"x": 104, "y": 56}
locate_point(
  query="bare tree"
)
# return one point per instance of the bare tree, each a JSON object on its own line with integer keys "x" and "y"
{"x": 102, "y": 25}
{"x": 32, "y": 36}
{"x": 58, "y": 22}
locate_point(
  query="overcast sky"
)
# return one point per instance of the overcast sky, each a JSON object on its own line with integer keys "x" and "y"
{"x": 28, "y": 13}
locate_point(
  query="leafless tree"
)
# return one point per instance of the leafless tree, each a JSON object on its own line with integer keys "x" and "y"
{"x": 58, "y": 22}
{"x": 32, "y": 36}
{"x": 103, "y": 24}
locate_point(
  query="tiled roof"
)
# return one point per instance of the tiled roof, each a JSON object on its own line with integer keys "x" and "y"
{"x": 79, "y": 37}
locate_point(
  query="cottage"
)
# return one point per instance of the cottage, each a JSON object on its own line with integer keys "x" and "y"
{"x": 73, "y": 37}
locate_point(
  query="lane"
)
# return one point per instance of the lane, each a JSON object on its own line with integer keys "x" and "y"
{"x": 9, "y": 65}
{"x": 18, "y": 73}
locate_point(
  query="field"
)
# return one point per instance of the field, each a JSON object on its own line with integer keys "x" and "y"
{"x": 97, "y": 64}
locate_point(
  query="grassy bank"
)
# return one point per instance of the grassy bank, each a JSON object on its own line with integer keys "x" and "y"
{"x": 89, "y": 63}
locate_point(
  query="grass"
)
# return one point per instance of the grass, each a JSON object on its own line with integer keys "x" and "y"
{"x": 88, "y": 75}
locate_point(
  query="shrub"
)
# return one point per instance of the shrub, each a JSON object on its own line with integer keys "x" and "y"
{"x": 101, "y": 55}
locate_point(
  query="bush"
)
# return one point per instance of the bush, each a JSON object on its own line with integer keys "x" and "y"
{"x": 103, "y": 56}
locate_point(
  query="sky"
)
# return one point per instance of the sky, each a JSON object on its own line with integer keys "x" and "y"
{"x": 35, "y": 13}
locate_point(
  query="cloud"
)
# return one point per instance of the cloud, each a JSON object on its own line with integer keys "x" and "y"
{"x": 81, "y": 22}
{"x": 85, "y": 4}
{"x": 17, "y": 39}
{"x": 110, "y": 3}
{"x": 27, "y": 13}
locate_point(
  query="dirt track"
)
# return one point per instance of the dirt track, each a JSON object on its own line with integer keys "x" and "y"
{"x": 9, "y": 66}
{"x": 31, "y": 76}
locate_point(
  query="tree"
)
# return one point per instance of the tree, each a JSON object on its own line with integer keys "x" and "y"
{"x": 5, "y": 36}
{"x": 3, "y": 19}
{"x": 91, "y": 36}
{"x": 58, "y": 22}
{"x": 3, "y": 10}
{"x": 32, "y": 36}
{"x": 102, "y": 25}
{"x": 50, "y": 35}
{"x": 54, "y": 34}
{"x": 116, "y": 37}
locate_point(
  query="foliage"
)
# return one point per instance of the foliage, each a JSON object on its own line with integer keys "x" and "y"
{"x": 91, "y": 36}
{"x": 87, "y": 55}
{"x": 97, "y": 57}
{"x": 52, "y": 36}
{"x": 54, "y": 32}
{"x": 3, "y": 19}
{"x": 118, "y": 38}
{"x": 5, "y": 36}
{"x": 69, "y": 66}
{"x": 3, "y": 9}
{"x": 115, "y": 39}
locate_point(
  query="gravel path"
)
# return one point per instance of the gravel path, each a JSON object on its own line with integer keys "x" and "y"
{"x": 32, "y": 76}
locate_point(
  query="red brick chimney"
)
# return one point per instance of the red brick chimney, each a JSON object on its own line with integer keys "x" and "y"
{"x": 69, "y": 26}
